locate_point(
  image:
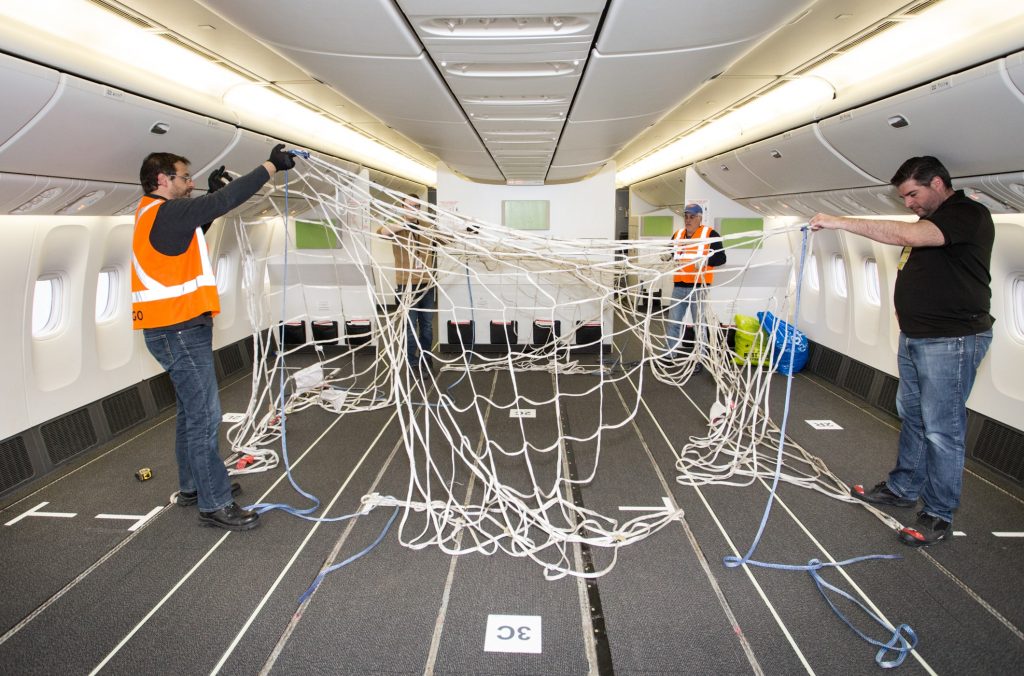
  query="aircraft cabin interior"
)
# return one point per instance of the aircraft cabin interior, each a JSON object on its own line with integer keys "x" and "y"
{"x": 493, "y": 402}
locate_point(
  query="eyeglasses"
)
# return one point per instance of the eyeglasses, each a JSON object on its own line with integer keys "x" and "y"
{"x": 184, "y": 177}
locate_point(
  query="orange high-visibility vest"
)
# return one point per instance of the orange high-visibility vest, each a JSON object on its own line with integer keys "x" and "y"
{"x": 167, "y": 290}
{"x": 693, "y": 256}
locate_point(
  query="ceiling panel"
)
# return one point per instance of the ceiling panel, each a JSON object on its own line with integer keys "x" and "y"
{"x": 445, "y": 76}
{"x": 597, "y": 140}
{"x": 656, "y": 25}
{"x": 642, "y": 84}
{"x": 366, "y": 27}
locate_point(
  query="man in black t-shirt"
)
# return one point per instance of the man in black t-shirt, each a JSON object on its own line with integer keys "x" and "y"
{"x": 942, "y": 300}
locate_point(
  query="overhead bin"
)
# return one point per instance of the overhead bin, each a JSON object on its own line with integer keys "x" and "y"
{"x": 866, "y": 201}
{"x": 730, "y": 176}
{"x": 1015, "y": 70}
{"x": 573, "y": 173}
{"x": 27, "y": 89}
{"x": 91, "y": 128}
{"x": 664, "y": 190}
{"x": 1001, "y": 193}
{"x": 339, "y": 26}
{"x": 800, "y": 161}
{"x": 397, "y": 183}
{"x": 961, "y": 119}
{"x": 246, "y": 151}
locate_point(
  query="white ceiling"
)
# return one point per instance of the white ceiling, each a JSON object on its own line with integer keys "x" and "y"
{"x": 520, "y": 91}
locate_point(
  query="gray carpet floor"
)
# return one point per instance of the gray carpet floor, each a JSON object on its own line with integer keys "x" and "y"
{"x": 84, "y": 593}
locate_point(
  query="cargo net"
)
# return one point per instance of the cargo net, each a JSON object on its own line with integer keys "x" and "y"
{"x": 584, "y": 312}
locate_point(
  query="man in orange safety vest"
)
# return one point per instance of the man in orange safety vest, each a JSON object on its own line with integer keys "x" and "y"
{"x": 698, "y": 249}
{"x": 174, "y": 300}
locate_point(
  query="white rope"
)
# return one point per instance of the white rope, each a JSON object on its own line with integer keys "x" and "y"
{"x": 484, "y": 270}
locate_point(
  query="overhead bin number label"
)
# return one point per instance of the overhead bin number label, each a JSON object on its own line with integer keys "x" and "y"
{"x": 513, "y": 634}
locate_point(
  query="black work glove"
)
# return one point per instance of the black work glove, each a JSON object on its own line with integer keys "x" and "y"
{"x": 219, "y": 178}
{"x": 281, "y": 159}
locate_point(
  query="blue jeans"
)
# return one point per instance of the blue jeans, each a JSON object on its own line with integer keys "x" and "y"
{"x": 187, "y": 355}
{"x": 936, "y": 377}
{"x": 420, "y": 329}
{"x": 685, "y": 299}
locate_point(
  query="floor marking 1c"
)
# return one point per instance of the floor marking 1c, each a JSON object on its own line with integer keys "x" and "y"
{"x": 139, "y": 520}
{"x": 1008, "y": 534}
{"x": 35, "y": 512}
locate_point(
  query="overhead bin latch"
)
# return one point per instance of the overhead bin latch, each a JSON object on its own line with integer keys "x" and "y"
{"x": 898, "y": 121}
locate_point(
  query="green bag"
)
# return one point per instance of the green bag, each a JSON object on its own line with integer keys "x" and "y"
{"x": 752, "y": 345}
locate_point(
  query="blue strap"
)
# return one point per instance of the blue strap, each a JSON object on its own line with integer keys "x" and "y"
{"x": 903, "y": 638}
{"x": 320, "y": 578}
{"x": 262, "y": 507}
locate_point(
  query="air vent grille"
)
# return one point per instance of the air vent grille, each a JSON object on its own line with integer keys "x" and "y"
{"x": 858, "y": 379}
{"x": 231, "y": 359}
{"x": 138, "y": 21}
{"x": 887, "y": 394}
{"x": 1001, "y": 448}
{"x": 163, "y": 391}
{"x": 68, "y": 436}
{"x": 880, "y": 28}
{"x": 15, "y": 465}
{"x": 917, "y": 9}
{"x": 824, "y": 58}
{"x": 826, "y": 363}
{"x": 123, "y": 410}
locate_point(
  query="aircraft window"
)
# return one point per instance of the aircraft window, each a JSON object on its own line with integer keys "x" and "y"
{"x": 839, "y": 275}
{"x": 248, "y": 272}
{"x": 811, "y": 272}
{"x": 106, "y": 294}
{"x": 1017, "y": 310}
{"x": 222, "y": 274}
{"x": 871, "y": 281}
{"x": 46, "y": 305}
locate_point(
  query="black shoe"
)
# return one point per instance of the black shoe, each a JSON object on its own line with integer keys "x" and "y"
{"x": 187, "y": 499}
{"x": 926, "y": 530}
{"x": 231, "y": 517}
{"x": 881, "y": 494}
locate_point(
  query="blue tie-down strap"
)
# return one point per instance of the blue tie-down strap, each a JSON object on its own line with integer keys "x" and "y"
{"x": 903, "y": 640}
{"x": 300, "y": 153}
{"x": 791, "y": 345}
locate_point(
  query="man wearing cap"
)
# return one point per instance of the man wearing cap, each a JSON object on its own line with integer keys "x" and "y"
{"x": 698, "y": 248}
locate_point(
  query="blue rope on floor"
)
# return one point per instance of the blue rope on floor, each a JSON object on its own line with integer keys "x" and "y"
{"x": 263, "y": 507}
{"x": 319, "y": 578}
{"x": 903, "y": 639}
